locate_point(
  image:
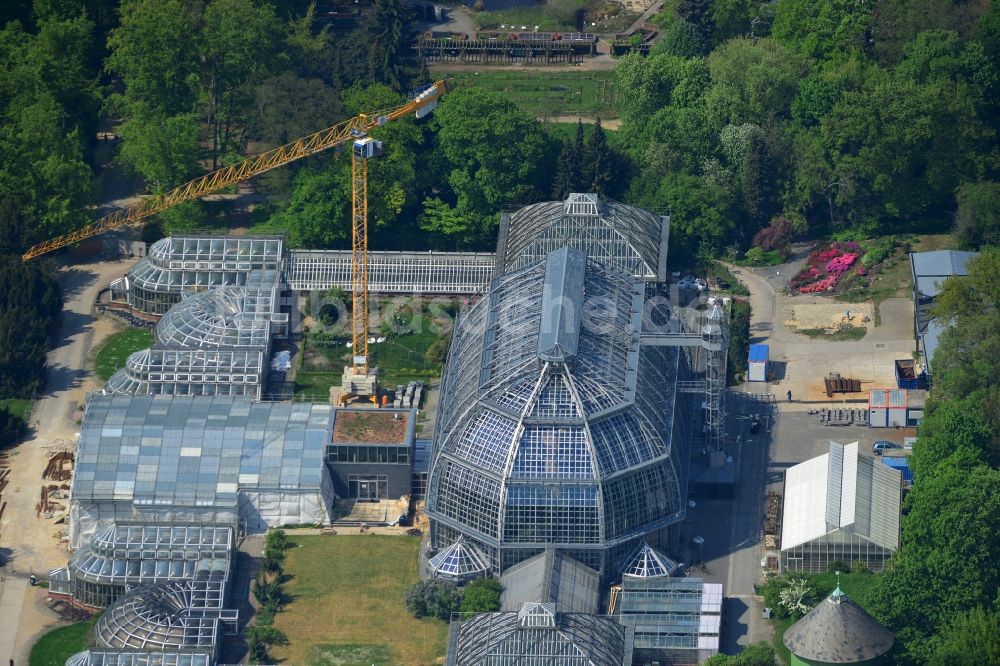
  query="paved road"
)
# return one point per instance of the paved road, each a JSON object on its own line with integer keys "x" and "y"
{"x": 12, "y": 591}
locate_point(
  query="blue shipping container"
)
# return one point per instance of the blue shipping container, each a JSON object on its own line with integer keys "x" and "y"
{"x": 757, "y": 366}
{"x": 901, "y": 464}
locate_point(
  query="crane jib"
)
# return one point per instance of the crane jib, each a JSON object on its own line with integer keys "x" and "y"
{"x": 255, "y": 165}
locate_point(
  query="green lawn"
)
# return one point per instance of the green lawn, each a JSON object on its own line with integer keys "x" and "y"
{"x": 55, "y": 647}
{"x": 544, "y": 93}
{"x": 348, "y": 604}
{"x": 349, "y": 655}
{"x": 855, "y": 333}
{"x": 402, "y": 358}
{"x": 550, "y": 15}
{"x": 315, "y": 386}
{"x": 116, "y": 350}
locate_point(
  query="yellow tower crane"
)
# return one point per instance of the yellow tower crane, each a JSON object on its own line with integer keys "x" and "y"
{"x": 360, "y": 379}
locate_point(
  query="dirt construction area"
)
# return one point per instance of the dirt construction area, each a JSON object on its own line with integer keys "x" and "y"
{"x": 822, "y": 313}
{"x": 31, "y": 532}
{"x": 800, "y": 363}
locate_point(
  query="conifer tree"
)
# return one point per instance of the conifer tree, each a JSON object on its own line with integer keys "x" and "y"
{"x": 581, "y": 170}
{"x": 600, "y": 161}
{"x": 567, "y": 171}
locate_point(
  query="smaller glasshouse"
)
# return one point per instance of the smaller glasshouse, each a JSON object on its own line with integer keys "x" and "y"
{"x": 125, "y": 555}
{"x": 214, "y": 342}
{"x": 536, "y": 634}
{"x": 672, "y": 620}
{"x": 841, "y": 509}
{"x": 181, "y": 264}
{"x": 139, "y": 658}
{"x": 174, "y": 616}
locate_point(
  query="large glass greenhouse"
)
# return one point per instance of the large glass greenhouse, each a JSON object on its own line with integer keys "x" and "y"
{"x": 557, "y": 426}
{"x": 200, "y": 460}
{"x": 128, "y": 554}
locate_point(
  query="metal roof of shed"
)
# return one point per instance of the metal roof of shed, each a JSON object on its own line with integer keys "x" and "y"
{"x": 841, "y": 489}
{"x": 930, "y": 269}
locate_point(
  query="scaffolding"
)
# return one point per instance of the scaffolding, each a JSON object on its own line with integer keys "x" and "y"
{"x": 201, "y": 460}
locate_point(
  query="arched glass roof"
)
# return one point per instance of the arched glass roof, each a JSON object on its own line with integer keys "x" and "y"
{"x": 176, "y": 615}
{"x": 539, "y": 635}
{"x": 131, "y": 658}
{"x": 183, "y": 263}
{"x": 626, "y": 238}
{"x": 556, "y": 423}
{"x": 124, "y": 554}
{"x": 227, "y": 317}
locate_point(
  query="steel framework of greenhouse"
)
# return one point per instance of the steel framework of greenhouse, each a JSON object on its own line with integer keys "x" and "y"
{"x": 581, "y": 441}
{"x": 124, "y": 554}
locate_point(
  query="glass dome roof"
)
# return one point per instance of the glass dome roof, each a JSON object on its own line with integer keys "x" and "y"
{"x": 225, "y": 317}
{"x": 556, "y": 424}
{"x": 649, "y": 562}
{"x": 164, "y": 616}
{"x": 459, "y": 561}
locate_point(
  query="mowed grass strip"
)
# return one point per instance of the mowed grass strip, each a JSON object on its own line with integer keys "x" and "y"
{"x": 117, "y": 348}
{"x": 347, "y": 593}
{"x": 55, "y": 647}
{"x": 543, "y": 93}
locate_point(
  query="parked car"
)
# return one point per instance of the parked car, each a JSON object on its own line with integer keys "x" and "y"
{"x": 881, "y": 445}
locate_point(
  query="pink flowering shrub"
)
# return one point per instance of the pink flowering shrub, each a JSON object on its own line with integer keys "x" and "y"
{"x": 823, "y": 285}
{"x": 840, "y": 264}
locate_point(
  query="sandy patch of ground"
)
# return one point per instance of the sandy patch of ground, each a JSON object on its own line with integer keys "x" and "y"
{"x": 824, "y": 313}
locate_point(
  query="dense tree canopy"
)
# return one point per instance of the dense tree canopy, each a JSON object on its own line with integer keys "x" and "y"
{"x": 835, "y": 115}
{"x": 29, "y": 303}
{"x": 945, "y": 576}
{"x": 48, "y": 109}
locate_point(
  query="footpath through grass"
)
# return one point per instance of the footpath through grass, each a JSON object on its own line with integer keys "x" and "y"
{"x": 55, "y": 647}
{"x": 545, "y": 93}
{"x": 348, "y": 604}
{"x": 116, "y": 350}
